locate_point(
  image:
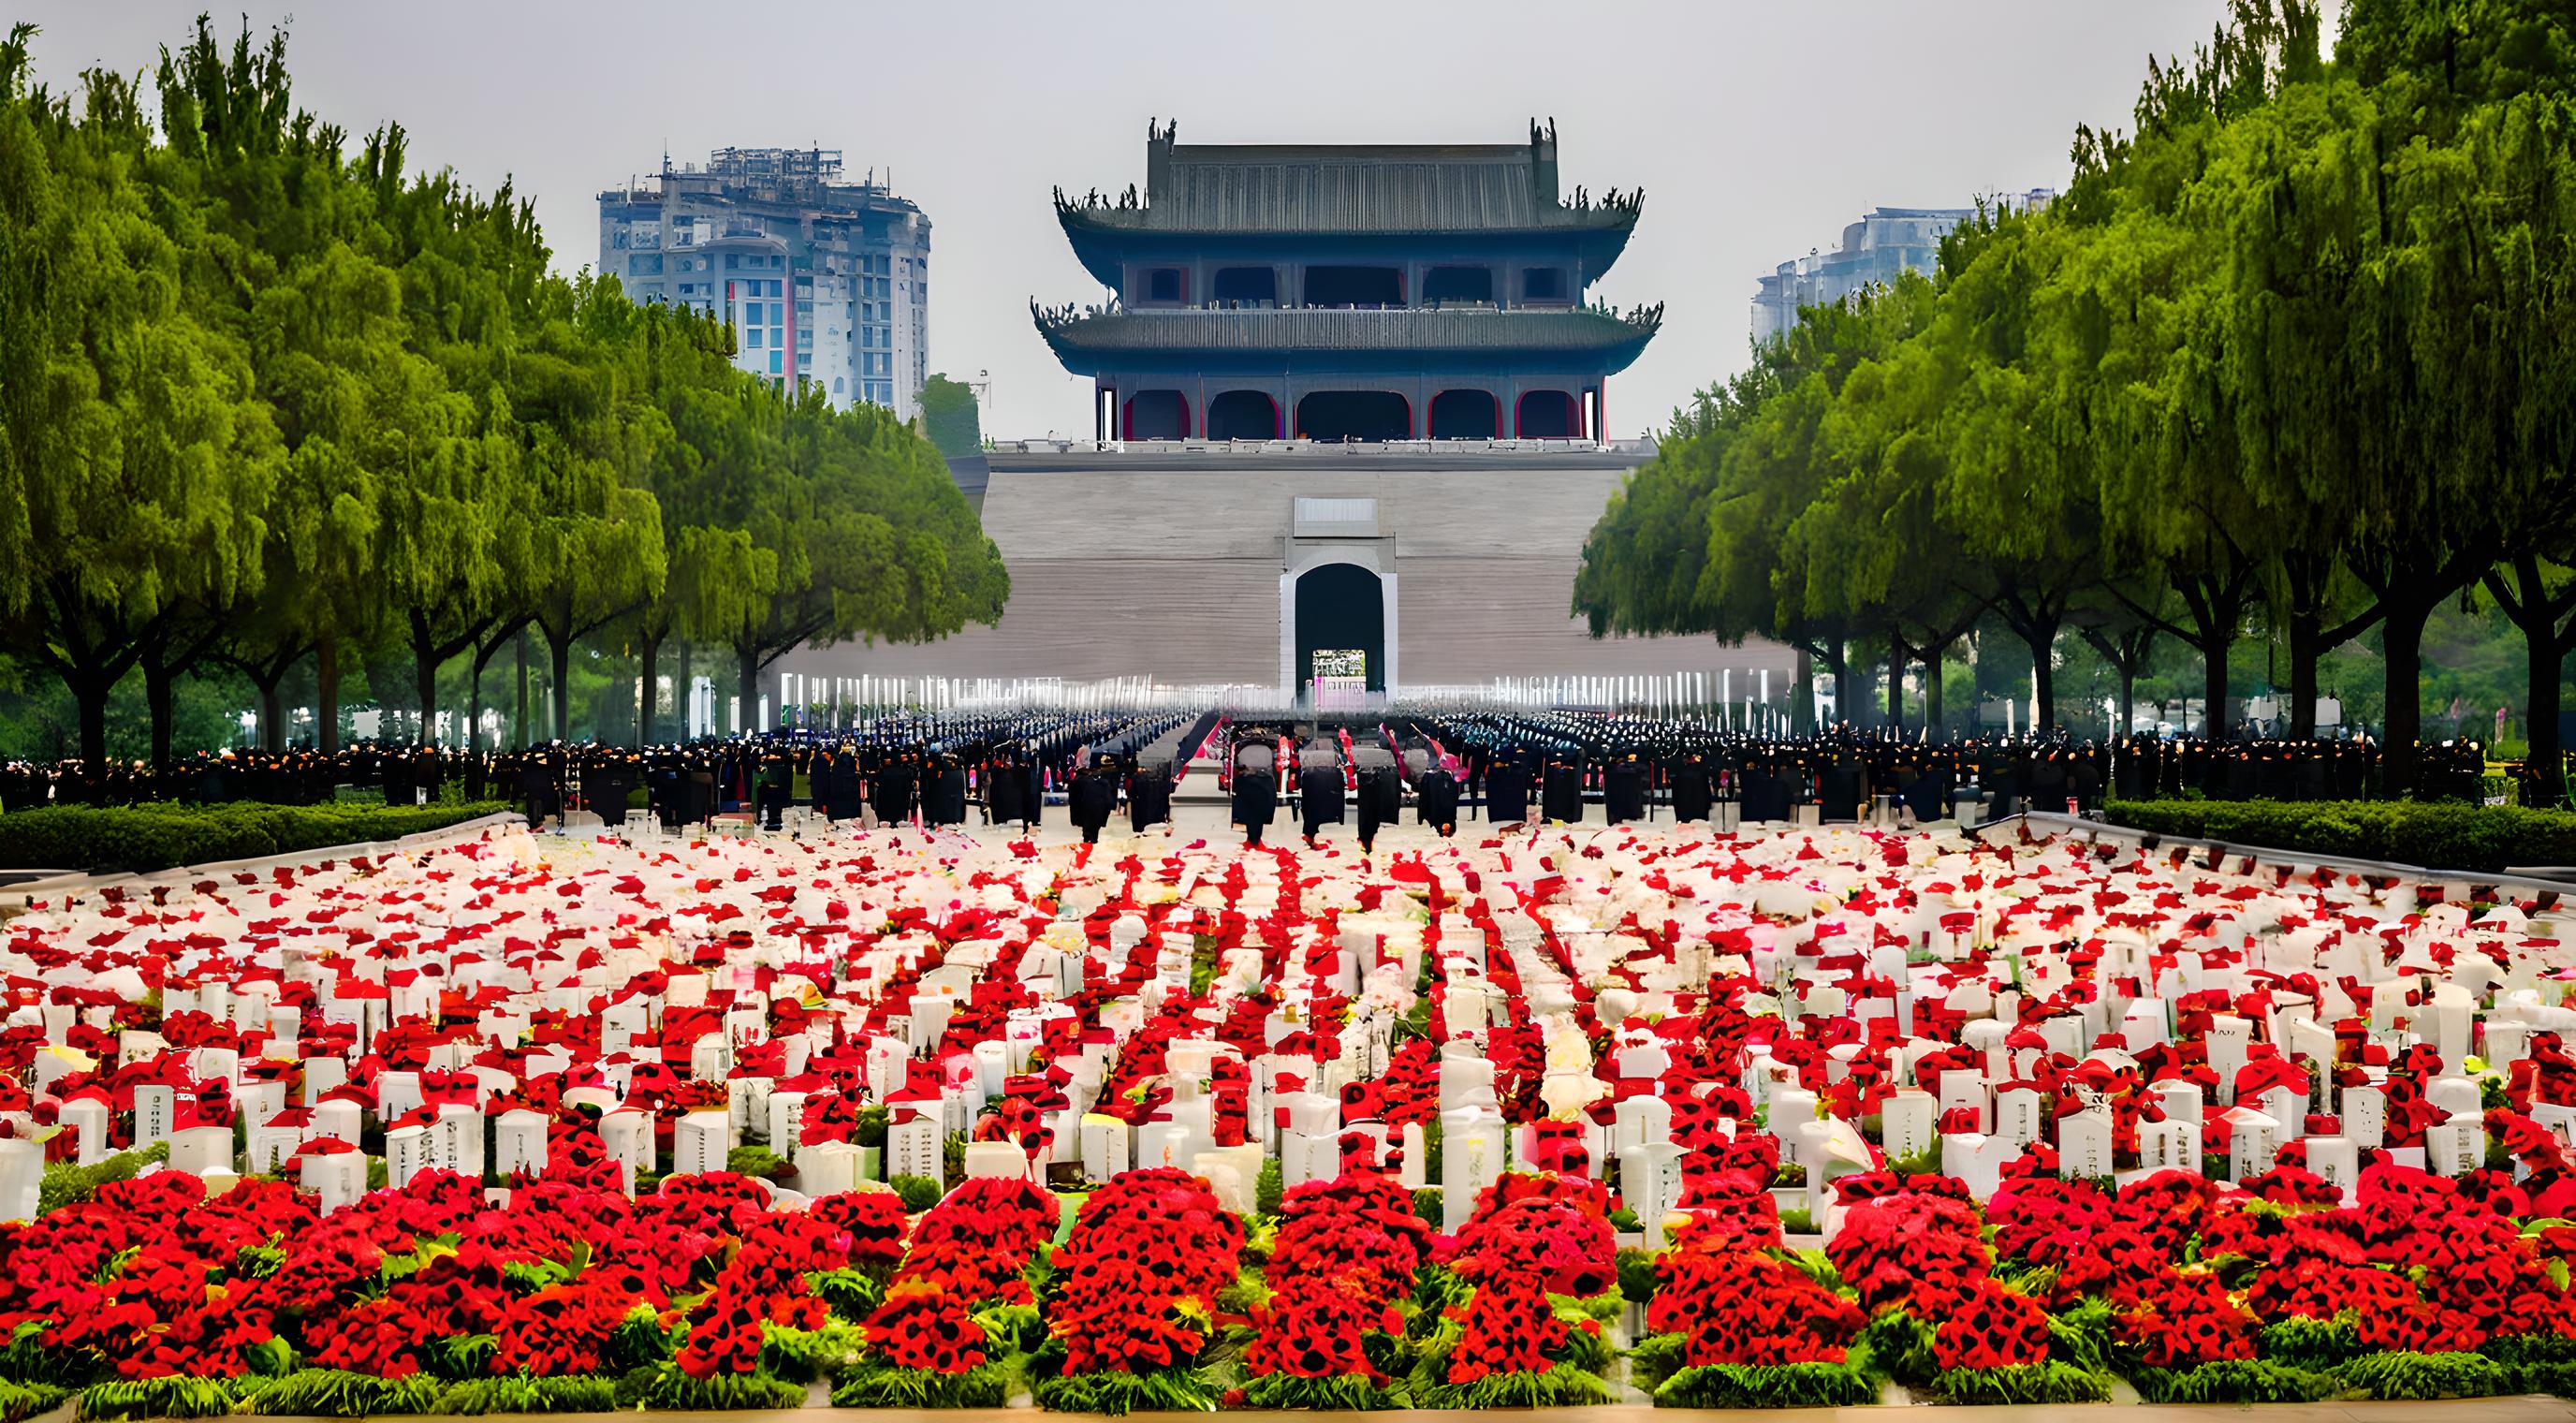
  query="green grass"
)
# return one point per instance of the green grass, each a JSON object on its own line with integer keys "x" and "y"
{"x": 25, "y": 1400}
{"x": 2396, "y": 1375}
{"x": 339, "y": 1393}
{"x": 2233, "y": 1381}
{"x": 1561, "y": 1387}
{"x": 2022, "y": 1383}
{"x": 1655, "y": 1358}
{"x": 517, "y": 1393}
{"x": 887, "y": 1386}
{"x": 67, "y": 1184}
{"x": 175, "y": 1397}
{"x": 1346, "y": 1393}
{"x": 670, "y": 1387}
{"x": 1767, "y": 1386}
{"x": 1117, "y": 1393}
{"x": 156, "y": 837}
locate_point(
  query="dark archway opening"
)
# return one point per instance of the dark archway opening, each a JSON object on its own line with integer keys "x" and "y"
{"x": 1242, "y": 415}
{"x": 1254, "y": 284}
{"x": 1466, "y": 415}
{"x": 1341, "y": 607}
{"x": 1457, "y": 284}
{"x": 1158, "y": 415}
{"x": 1548, "y": 415}
{"x": 1365, "y": 415}
{"x": 1354, "y": 286}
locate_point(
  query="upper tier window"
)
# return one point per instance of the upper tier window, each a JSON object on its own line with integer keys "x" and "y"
{"x": 1354, "y": 286}
{"x": 1543, "y": 284}
{"x": 1163, "y": 284}
{"x": 1250, "y": 284}
{"x": 1457, "y": 284}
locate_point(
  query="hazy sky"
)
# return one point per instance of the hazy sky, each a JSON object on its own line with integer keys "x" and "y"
{"x": 1757, "y": 131}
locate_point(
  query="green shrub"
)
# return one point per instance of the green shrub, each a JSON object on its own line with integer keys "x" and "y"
{"x": 66, "y": 1184}
{"x": 804, "y": 1355}
{"x": 2441, "y": 836}
{"x": 178, "y": 1396}
{"x": 887, "y": 1386}
{"x": 1426, "y": 1204}
{"x": 2395, "y": 1375}
{"x": 1268, "y": 1189}
{"x": 1767, "y": 1386}
{"x": 1900, "y": 1347}
{"x": 2051, "y": 1382}
{"x": 919, "y": 1193}
{"x": 2311, "y": 1343}
{"x": 143, "y": 838}
{"x": 852, "y": 1294}
{"x": 1637, "y": 1279}
{"x": 1655, "y": 1358}
{"x": 518, "y": 1393}
{"x": 340, "y": 1393}
{"x": 756, "y": 1161}
{"x": 2232, "y": 1381}
{"x": 1117, "y": 1392}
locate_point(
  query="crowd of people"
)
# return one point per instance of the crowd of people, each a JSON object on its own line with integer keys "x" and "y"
{"x": 1502, "y": 768}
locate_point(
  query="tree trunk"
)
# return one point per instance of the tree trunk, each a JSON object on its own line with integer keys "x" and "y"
{"x": 647, "y": 652}
{"x": 1932, "y": 716}
{"x": 2042, "y": 642}
{"x": 90, "y": 691}
{"x": 425, "y": 672}
{"x": 2544, "y": 766}
{"x": 750, "y": 693}
{"x": 559, "y": 667}
{"x": 1896, "y": 660}
{"x": 2306, "y": 629}
{"x": 272, "y": 713}
{"x": 2214, "y": 643}
{"x": 326, "y": 695}
{"x": 519, "y": 724}
{"x": 2402, "y": 647}
{"x": 1838, "y": 662}
{"x": 684, "y": 692}
{"x": 160, "y": 686}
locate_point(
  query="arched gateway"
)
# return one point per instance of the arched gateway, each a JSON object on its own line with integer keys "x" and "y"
{"x": 1340, "y": 612}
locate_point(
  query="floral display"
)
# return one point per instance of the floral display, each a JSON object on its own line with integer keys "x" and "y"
{"x": 1565, "y": 1116}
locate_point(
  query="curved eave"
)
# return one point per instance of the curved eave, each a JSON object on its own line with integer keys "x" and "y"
{"x": 1102, "y": 239}
{"x": 1096, "y": 344}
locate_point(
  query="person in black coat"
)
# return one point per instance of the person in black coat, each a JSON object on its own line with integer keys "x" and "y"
{"x": 1379, "y": 803}
{"x": 1149, "y": 797}
{"x": 1507, "y": 785}
{"x": 1003, "y": 785}
{"x": 1095, "y": 797}
{"x": 1623, "y": 790}
{"x": 1435, "y": 800}
{"x": 1319, "y": 795}
{"x": 1561, "y": 789}
{"x": 893, "y": 788}
{"x": 1692, "y": 792}
{"x": 775, "y": 784}
{"x": 1256, "y": 799}
{"x": 943, "y": 800}
{"x": 840, "y": 786}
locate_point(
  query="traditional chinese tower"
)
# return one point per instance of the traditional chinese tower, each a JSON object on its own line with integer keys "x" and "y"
{"x": 1361, "y": 293}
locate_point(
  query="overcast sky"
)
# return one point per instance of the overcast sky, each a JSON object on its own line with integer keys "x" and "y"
{"x": 1757, "y": 131}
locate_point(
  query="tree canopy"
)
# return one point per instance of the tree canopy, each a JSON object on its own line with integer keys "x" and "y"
{"x": 2296, "y": 347}
{"x": 269, "y": 395}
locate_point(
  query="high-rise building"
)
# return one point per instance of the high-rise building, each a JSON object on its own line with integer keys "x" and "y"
{"x": 1874, "y": 251}
{"x": 822, "y": 280}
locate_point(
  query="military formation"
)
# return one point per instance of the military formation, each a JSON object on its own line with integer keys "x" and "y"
{"x": 1005, "y": 768}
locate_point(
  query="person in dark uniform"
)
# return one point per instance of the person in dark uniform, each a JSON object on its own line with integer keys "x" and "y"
{"x": 1003, "y": 785}
{"x": 1507, "y": 785}
{"x": 1256, "y": 799}
{"x": 1435, "y": 800}
{"x": 1693, "y": 792}
{"x": 1561, "y": 788}
{"x": 943, "y": 800}
{"x": 1380, "y": 801}
{"x": 774, "y": 788}
{"x": 1623, "y": 790}
{"x": 1149, "y": 796}
{"x": 893, "y": 788}
{"x": 1094, "y": 797}
{"x": 1319, "y": 794}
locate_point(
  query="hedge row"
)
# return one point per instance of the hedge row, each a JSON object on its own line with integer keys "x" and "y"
{"x": 156, "y": 837}
{"x": 2435, "y": 835}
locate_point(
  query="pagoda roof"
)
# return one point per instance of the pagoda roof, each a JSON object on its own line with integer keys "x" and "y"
{"x": 1320, "y": 189}
{"x": 1595, "y": 335}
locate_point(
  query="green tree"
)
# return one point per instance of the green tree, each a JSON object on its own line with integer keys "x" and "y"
{"x": 949, "y": 417}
